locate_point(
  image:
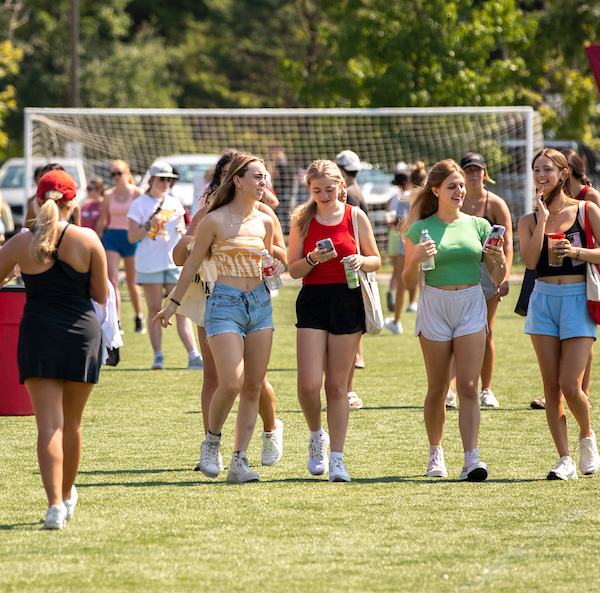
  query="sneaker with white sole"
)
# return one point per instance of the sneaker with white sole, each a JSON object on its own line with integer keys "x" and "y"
{"x": 56, "y": 517}
{"x": 209, "y": 456}
{"x": 159, "y": 363}
{"x": 473, "y": 470}
{"x": 487, "y": 399}
{"x": 337, "y": 471}
{"x": 394, "y": 326}
{"x": 239, "y": 469}
{"x": 451, "y": 399}
{"x": 272, "y": 448}
{"x": 71, "y": 502}
{"x": 317, "y": 455}
{"x": 196, "y": 364}
{"x": 436, "y": 468}
{"x": 589, "y": 459}
{"x": 140, "y": 326}
{"x": 565, "y": 470}
{"x": 412, "y": 308}
{"x": 221, "y": 466}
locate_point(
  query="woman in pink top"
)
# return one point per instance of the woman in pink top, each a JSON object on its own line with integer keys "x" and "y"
{"x": 113, "y": 220}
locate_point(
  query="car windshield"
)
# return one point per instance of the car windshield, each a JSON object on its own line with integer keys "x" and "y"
{"x": 188, "y": 172}
{"x": 13, "y": 177}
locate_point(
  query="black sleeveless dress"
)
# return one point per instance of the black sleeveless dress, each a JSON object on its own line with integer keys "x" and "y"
{"x": 60, "y": 335}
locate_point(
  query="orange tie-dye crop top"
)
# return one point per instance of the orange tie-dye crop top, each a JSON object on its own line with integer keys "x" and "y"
{"x": 238, "y": 257}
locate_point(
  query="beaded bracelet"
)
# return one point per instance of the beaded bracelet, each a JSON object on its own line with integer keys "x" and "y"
{"x": 311, "y": 263}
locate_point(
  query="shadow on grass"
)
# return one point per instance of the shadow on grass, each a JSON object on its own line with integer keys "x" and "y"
{"x": 17, "y": 525}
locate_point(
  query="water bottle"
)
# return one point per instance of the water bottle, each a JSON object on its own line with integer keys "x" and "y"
{"x": 430, "y": 263}
{"x": 273, "y": 282}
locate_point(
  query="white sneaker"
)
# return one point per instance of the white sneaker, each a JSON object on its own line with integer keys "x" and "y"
{"x": 221, "y": 466}
{"x": 337, "y": 471}
{"x": 159, "y": 363}
{"x": 71, "y": 502}
{"x": 487, "y": 399}
{"x": 451, "y": 399}
{"x": 436, "y": 468}
{"x": 239, "y": 469}
{"x": 196, "y": 364}
{"x": 272, "y": 448}
{"x": 209, "y": 456}
{"x": 317, "y": 455}
{"x": 56, "y": 517}
{"x": 412, "y": 308}
{"x": 394, "y": 326}
{"x": 589, "y": 460}
{"x": 565, "y": 470}
{"x": 473, "y": 470}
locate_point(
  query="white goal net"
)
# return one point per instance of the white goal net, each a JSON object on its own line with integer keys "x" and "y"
{"x": 507, "y": 137}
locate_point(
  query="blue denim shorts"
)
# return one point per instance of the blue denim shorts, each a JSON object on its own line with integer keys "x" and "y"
{"x": 231, "y": 310}
{"x": 560, "y": 310}
{"x": 116, "y": 240}
{"x": 163, "y": 277}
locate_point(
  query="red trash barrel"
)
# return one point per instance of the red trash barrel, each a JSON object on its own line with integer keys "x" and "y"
{"x": 14, "y": 399}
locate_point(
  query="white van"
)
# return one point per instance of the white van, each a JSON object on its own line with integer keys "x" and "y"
{"x": 12, "y": 182}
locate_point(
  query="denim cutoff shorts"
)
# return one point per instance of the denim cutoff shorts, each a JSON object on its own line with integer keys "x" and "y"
{"x": 116, "y": 240}
{"x": 231, "y": 310}
{"x": 163, "y": 277}
{"x": 443, "y": 315}
{"x": 560, "y": 310}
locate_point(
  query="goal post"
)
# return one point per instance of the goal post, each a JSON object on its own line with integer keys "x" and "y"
{"x": 506, "y": 136}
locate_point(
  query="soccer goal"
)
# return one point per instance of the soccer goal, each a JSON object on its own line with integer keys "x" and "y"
{"x": 506, "y": 136}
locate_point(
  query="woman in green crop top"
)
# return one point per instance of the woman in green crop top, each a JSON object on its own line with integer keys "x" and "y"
{"x": 451, "y": 317}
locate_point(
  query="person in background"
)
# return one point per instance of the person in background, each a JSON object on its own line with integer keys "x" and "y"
{"x": 90, "y": 210}
{"x": 239, "y": 317}
{"x": 156, "y": 221}
{"x": 112, "y": 226}
{"x": 451, "y": 317}
{"x": 282, "y": 178}
{"x": 272, "y": 434}
{"x": 331, "y": 317}
{"x": 59, "y": 351}
{"x": 401, "y": 207}
{"x": 479, "y": 201}
{"x": 7, "y": 224}
{"x": 558, "y": 319}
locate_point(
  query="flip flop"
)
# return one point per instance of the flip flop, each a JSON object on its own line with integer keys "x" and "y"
{"x": 354, "y": 401}
{"x": 538, "y": 404}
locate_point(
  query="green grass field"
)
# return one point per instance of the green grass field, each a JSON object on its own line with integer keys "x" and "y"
{"x": 146, "y": 522}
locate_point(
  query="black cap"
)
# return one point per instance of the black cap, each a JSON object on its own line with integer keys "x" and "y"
{"x": 473, "y": 158}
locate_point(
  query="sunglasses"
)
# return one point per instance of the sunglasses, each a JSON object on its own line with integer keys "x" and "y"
{"x": 91, "y": 187}
{"x": 116, "y": 173}
{"x": 164, "y": 179}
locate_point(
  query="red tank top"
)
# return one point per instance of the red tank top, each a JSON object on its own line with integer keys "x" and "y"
{"x": 342, "y": 235}
{"x": 581, "y": 194}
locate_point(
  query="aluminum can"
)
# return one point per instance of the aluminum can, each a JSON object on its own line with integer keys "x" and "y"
{"x": 351, "y": 275}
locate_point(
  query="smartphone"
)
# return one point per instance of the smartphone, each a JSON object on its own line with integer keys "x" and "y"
{"x": 325, "y": 245}
{"x": 494, "y": 237}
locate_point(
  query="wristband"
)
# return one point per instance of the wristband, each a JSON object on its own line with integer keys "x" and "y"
{"x": 176, "y": 302}
{"x": 311, "y": 263}
{"x": 578, "y": 253}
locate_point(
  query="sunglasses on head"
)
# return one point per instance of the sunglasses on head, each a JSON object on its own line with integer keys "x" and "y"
{"x": 116, "y": 173}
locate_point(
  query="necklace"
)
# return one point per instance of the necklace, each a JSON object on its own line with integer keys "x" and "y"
{"x": 326, "y": 220}
{"x": 243, "y": 219}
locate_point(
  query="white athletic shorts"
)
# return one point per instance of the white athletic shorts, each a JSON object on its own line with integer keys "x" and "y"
{"x": 443, "y": 315}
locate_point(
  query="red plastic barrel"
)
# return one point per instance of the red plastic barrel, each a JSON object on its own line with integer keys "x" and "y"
{"x": 14, "y": 399}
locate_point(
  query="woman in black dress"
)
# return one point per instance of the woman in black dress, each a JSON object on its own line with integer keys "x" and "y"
{"x": 63, "y": 266}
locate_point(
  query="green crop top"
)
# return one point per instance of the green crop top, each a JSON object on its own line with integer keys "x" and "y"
{"x": 459, "y": 246}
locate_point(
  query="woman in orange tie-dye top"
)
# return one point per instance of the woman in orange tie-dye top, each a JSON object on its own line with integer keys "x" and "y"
{"x": 239, "y": 317}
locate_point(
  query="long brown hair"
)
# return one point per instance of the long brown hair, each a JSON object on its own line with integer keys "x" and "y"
{"x": 426, "y": 202}
{"x": 319, "y": 169}
{"x": 226, "y": 191}
{"x": 564, "y": 184}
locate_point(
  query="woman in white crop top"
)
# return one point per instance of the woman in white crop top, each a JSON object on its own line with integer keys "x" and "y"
{"x": 238, "y": 319}
{"x": 112, "y": 226}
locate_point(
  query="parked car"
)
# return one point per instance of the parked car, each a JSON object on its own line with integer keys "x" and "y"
{"x": 192, "y": 170}
{"x": 12, "y": 182}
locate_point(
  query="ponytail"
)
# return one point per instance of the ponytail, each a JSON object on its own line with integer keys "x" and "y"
{"x": 43, "y": 243}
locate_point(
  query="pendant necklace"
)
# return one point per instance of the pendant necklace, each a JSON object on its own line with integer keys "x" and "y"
{"x": 244, "y": 219}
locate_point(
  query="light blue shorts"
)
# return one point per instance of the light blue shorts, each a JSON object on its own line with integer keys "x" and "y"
{"x": 165, "y": 277}
{"x": 560, "y": 310}
{"x": 443, "y": 315}
{"x": 231, "y": 310}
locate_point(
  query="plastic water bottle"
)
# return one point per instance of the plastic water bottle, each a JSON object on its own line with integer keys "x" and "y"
{"x": 430, "y": 263}
{"x": 273, "y": 282}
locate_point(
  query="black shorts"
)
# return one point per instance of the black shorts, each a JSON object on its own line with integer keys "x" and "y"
{"x": 334, "y": 308}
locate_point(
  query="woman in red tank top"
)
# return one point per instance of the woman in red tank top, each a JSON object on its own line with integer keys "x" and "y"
{"x": 330, "y": 314}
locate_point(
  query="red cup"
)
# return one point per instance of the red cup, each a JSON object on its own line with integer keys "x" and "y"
{"x": 553, "y": 260}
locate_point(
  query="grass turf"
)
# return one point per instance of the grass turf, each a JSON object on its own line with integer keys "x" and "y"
{"x": 147, "y": 522}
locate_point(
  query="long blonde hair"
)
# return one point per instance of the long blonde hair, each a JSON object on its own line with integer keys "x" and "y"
{"x": 43, "y": 243}
{"x": 126, "y": 170}
{"x": 304, "y": 213}
{"x": 226, "y": 191}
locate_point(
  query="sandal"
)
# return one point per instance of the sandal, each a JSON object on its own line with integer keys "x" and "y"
{"x": 354, "y": 401}
{"x": 539, "y": 404}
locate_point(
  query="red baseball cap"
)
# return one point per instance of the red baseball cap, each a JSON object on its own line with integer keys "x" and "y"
{"x": 57, "y": 185}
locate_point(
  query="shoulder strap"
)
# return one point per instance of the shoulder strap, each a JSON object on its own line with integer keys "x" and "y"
{"x": 355, "y": 225}
{"x": 61, "y": 237}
